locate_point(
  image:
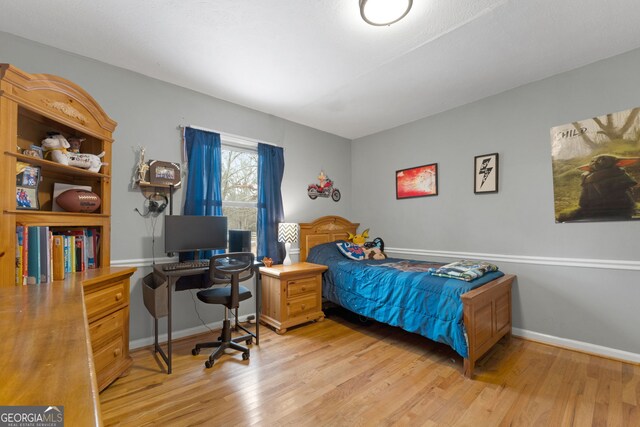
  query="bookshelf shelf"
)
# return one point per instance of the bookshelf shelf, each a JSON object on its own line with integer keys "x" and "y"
{"x": 53, "y": 167}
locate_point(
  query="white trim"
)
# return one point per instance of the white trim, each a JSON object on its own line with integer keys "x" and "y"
{"x": 578, "y": 345}
{"x": 196, "y": 330}
{"x": 523, "y": 259}
{"x": 142, "y": 262}
{"x": 148, "y": 262}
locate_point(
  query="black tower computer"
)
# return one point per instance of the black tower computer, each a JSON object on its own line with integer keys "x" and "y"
{"x": 239, "y": 240}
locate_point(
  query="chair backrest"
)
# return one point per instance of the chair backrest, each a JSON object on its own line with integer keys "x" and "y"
{"x": 232, "y": 268}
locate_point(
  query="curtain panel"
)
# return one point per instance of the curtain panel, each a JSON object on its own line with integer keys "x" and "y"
{"x": 204, "y": 192}
{"x": 270, "y": 210}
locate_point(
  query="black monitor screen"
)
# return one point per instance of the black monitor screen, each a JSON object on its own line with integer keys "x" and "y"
{"x": 184, "y": 233}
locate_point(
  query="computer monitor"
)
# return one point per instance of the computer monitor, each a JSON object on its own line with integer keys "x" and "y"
{"x": 186, "y": 233}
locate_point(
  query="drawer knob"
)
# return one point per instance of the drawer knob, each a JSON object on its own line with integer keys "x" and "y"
{"x": 118, "y": 296}
{"x": 116, "y": 352}
{"x": 302, "y": 306}
{"x": 303, "y": 288}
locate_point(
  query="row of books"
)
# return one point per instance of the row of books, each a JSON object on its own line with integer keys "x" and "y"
{"x": 44, "y": 254}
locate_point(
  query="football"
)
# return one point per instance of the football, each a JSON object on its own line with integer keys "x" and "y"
{"x": 76, "y": 200}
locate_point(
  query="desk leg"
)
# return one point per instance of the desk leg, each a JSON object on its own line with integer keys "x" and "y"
{"x": 258, "y": 305}
{"x": 171, "y": 283}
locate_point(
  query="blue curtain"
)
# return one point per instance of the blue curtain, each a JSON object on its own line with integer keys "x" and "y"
{"x": 270, "y": 211}
{"x": 204, "y": 191}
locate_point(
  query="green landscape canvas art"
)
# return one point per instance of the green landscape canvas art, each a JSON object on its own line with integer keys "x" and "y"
{"x": 596, "y": 168}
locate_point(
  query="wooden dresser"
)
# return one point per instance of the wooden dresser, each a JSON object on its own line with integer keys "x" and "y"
{"x": 291, "y": 294}
{"x": 106, "y": 297}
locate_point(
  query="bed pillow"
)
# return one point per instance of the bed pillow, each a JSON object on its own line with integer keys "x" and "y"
{"x": 351, "y": 250}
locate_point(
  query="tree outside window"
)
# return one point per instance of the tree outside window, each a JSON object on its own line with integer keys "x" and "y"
{"x": 240, "y": 190}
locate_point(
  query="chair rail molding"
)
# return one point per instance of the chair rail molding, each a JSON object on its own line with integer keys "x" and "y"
{"x": 523, "y": 259}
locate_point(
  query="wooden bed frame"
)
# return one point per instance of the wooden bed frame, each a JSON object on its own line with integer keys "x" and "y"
{"x": 487, "y": 309}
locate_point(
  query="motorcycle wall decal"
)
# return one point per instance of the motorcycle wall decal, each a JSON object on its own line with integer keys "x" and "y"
{"x": 325, "y": 188}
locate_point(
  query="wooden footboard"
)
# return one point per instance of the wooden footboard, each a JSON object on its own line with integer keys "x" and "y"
{"x": 487, "y": 317}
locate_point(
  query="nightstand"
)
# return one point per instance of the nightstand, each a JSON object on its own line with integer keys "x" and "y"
{"x": 291, "y": 295}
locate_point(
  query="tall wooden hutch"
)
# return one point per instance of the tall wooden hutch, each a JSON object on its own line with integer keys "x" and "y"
{"x": 31, "y": 105}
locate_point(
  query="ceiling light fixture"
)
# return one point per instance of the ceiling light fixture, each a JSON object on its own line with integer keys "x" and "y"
{"x": 384, "y": 12}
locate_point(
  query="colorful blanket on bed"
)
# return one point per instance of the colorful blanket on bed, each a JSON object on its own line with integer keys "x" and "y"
{"x": 464, "y": 270}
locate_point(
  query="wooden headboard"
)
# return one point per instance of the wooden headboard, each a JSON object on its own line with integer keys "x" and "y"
{"x": 323, "y": 230}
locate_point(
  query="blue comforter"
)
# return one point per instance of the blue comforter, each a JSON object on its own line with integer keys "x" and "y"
{"x": 399, "y": 293}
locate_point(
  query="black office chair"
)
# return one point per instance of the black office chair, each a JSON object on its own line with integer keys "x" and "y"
{"x": 230, "y": 268}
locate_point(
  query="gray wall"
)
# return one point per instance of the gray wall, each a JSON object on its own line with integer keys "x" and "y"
{"x": 553, "y": 295}
{"x": 148, "y": 112}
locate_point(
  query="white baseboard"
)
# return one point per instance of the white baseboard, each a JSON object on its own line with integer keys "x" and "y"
{"x": 144, "y": 342}
{"x": 585, "y": 347}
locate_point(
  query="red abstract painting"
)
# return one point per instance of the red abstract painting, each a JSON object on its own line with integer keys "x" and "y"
{"x": 420, "y": 181}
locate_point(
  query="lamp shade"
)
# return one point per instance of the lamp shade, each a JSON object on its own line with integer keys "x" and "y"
{"x": 288, "y": 232}
{"x": 384, "y": 12}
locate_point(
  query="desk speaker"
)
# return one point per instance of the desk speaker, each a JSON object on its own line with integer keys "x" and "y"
{"x": 239, "y": 240}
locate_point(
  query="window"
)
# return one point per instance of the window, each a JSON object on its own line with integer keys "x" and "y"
{"x": 240, "y": 189}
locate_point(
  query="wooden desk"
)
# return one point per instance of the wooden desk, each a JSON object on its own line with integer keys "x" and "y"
{"x": 172, "y": 277}
{"x": 45, "y": 351}
{"x": 45, "y": 344}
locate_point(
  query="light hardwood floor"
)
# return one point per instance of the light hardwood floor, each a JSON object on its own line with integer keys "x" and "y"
{"x": 341, "y": 373}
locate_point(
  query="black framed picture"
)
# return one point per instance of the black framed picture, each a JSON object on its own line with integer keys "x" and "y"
{"x": 164, "y": 173}
{"x": 485, "y": 173}
{"x": 419, "y": 181}
{"x": 27, "y": 182}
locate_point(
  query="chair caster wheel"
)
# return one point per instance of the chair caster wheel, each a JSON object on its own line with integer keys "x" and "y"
{"x": 208, "y": 364}
{"x": 195, "y": 351}
{"x": 249, "y": 341}
{"x": 245, "y": 356}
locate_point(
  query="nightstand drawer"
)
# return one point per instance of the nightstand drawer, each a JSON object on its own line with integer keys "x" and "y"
{"x": 106, "y": 299}
{"x": 103, "y": 331}
{"x": 299, "y": 306}
{"x": 302, "y": 286}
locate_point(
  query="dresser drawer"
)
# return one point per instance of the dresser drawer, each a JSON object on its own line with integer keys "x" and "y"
{"x": 103, "y": 331}
{"x": 104, "y": 300}
{"x": 113, "y": 352}
{"x": 299, "y": 306}
{"x": 302, "y": 286}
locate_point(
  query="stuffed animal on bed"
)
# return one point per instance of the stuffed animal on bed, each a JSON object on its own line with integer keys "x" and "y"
{"x": 372, "y": 250}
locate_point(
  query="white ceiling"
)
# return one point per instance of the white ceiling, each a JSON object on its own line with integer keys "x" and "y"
{"x": 317, "y": 63}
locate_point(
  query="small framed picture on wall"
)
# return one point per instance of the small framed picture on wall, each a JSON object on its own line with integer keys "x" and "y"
{"x": 164, "y": 173}
{"x": 485, "y": 173}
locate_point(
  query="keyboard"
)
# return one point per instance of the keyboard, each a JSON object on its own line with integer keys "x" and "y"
{"x": 186, "y": 265}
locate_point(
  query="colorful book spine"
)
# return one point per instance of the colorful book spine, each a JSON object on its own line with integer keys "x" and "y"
{"x": 58, "y": 257}
{"x": 34, "y": 256}
{"x": 45, "y": 255}
{"x": 25, "y": 255}
{"x": 72, "y": 253}
{"x": 91, "y": 258}
{"x": 67, "y": 254}
{"x": 19, "y": 249}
